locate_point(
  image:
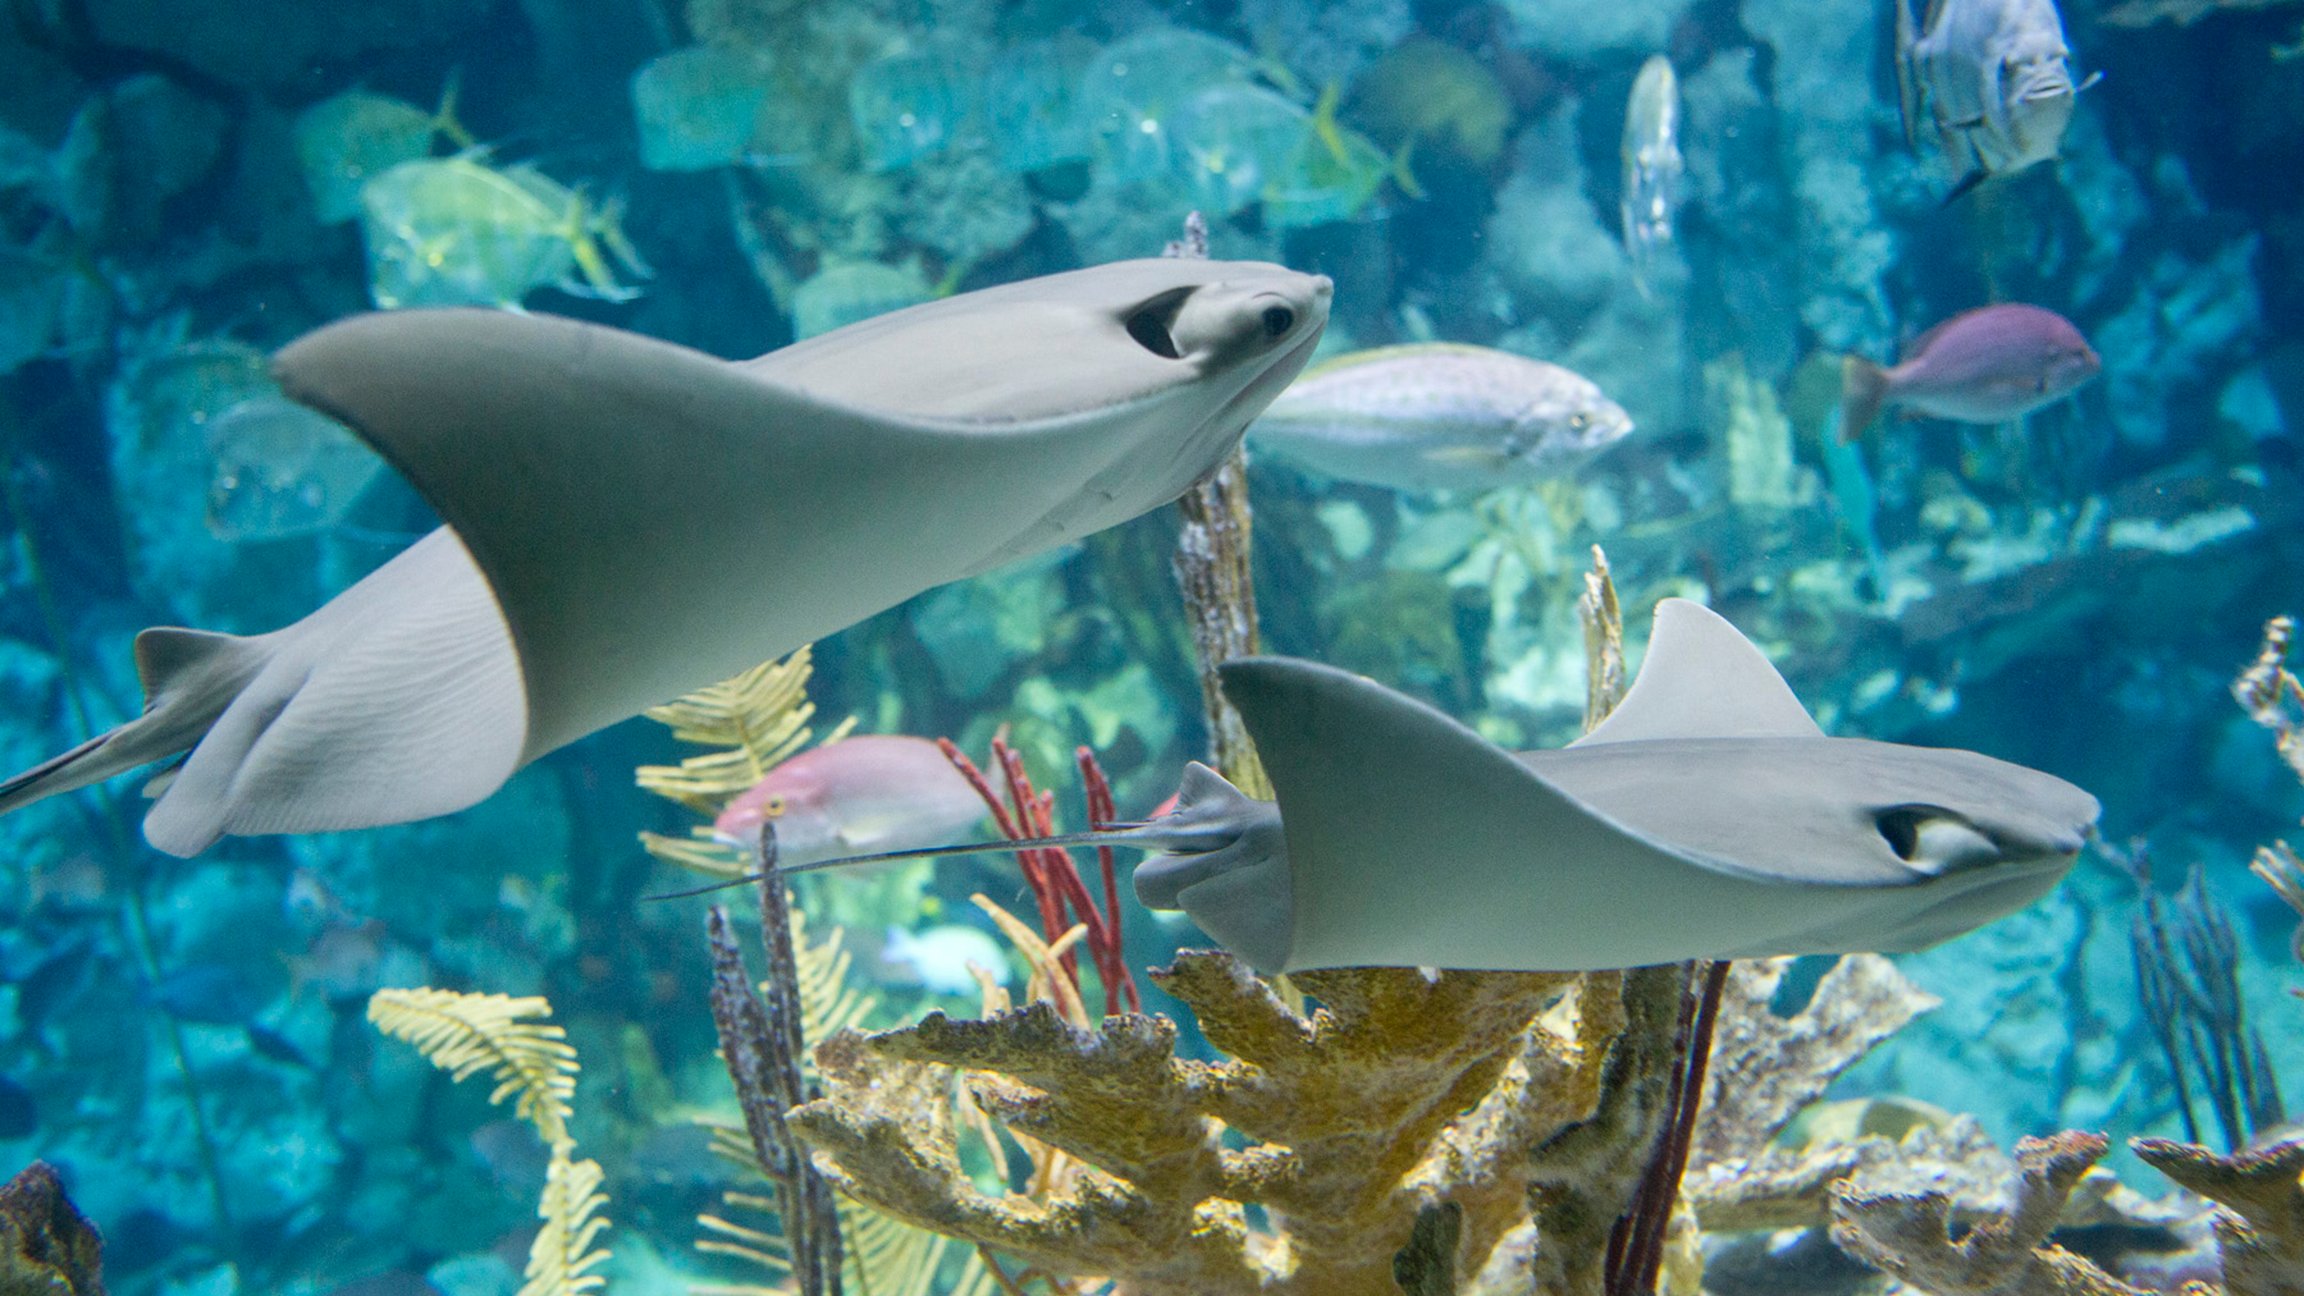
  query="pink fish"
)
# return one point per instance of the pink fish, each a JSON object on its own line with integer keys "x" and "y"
{"x": 1994, "y": 364}
{"x": 877, "y": 792}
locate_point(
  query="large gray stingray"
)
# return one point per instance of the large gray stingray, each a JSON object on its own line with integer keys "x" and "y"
{"x": 1708, "y": 816}
{"x": 628, "y": 520}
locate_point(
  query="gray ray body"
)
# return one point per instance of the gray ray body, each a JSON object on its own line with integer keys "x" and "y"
{"x": 628, "y": 520}
{"x": 1707, "y": 817}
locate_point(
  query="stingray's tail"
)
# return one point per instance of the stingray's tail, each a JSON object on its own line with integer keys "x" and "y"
{"x": 189, "y": 677}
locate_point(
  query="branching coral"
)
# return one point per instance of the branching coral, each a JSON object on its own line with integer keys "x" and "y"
{"x": 465, "y": 1034}
{"x": 1346, "y": 1109}
{"x": 2262, "y": 1239}
{"x": 2009, "y": 1254}
{"x": 1767, "y": 1067}
{"x": 47, "y": 1247}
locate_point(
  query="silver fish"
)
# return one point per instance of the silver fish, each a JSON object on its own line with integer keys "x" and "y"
{"x": 1996, "y": 79}
{"x": 1440, "y": 416}
{"x": 1652, "y": 166}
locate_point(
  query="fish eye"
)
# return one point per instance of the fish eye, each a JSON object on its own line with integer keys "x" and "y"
{"x": 775, "y": 808}
{"x": 1150, "y": 325}
{"x": 1278, "y": 320}
{"x": 1934, "y": 839}
{"x": 1579, "y": 420}
{"x": 1900, "y": 828}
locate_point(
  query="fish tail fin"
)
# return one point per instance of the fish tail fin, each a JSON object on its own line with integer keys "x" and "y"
{"x": 1403, "y": 174}
{"x": 595, "y": 234}
{"x": 445, "y": 123}
{"x": 1863, "y": 390}
{"x": 189, "y": 677}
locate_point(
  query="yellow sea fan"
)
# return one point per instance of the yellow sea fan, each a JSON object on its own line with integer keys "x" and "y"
{"x": 466, "y": 1033}
{"x": 560, "y": 1259}
{"x": 757, "y": 719}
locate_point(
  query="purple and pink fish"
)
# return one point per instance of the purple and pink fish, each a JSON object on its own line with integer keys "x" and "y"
{"x": 862, "y": 795}
{"x": 1994, "y": 364}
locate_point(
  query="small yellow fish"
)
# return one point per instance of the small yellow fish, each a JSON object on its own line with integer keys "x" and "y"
{"x": 349, "y": 139}
{"x": 458, "y": 232}
{"x": 1440, "y": 416}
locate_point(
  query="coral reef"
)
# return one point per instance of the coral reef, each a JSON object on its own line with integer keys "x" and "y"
{"x": 1344, "y": 1107}
{"x": 2261, "y": 1233}
{"x": 2006, "y": 1254}
{"x": 46, "y": 1246}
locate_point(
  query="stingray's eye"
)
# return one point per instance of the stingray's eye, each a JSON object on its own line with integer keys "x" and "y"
{"x": 1153, "y": 321}
{"x": 1278, "y": 320}
{"x": 1933, "y": 838}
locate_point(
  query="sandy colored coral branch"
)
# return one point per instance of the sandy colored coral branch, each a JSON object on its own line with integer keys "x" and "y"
{"x": 1403, "y": 1090}
{"x": 46, "y": 1245}
{"x": 1766, "y": 1068}
{"x": 1910, "y": 1235}
{"x": 2262, "y": 1238}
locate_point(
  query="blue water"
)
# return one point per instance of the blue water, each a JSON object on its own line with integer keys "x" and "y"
{"x": 2073, "y": 592}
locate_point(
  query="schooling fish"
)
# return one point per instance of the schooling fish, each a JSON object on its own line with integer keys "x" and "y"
{"x": 599, "y": 487}
{"x": 1993, "y": 364}
{"x": 873, "y": 792}
{"x": 1652, "y": 166}
{"x": 1440, "y": 416}
{"x": 1995, "y": 77}
{"x": 1707, "y": 817}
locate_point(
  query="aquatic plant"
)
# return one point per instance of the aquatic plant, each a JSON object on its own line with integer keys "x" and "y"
{"x": 822, "y": 1243}
{"x": 754, "y": 721}
{"x": 2187, "y": 960}
{"x": 534, "y": 1065}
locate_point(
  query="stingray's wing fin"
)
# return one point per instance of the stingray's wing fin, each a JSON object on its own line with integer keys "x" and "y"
{"x": 399, "y": 699}
{"x": 653, "y": 518}
{"x": 1703, "y": 679}
{"x": 1412, "y": 841}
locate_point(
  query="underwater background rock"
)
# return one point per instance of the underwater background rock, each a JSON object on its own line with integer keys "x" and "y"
{"x": 2073, "y": 596}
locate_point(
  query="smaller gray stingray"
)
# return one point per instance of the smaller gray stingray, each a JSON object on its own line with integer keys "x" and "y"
{"x": 1708, "y": 816}
{"x": 628, "y": 520}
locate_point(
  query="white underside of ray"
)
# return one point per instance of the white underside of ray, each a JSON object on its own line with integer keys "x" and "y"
{"x": 415, "y": 657}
